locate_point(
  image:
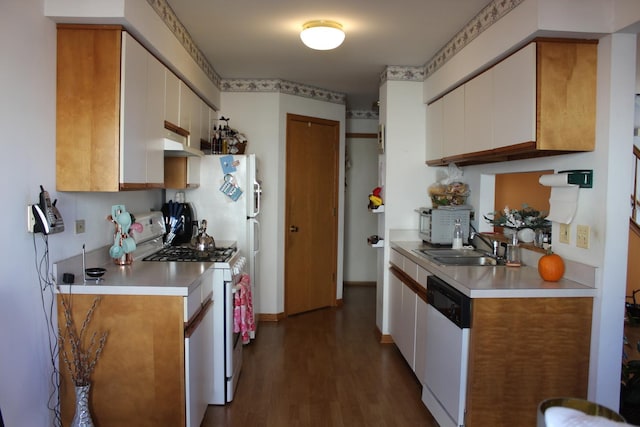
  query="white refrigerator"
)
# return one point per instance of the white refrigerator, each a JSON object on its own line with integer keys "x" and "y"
{"x": 229, "y": 199}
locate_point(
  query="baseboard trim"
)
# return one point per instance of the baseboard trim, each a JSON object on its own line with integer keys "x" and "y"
{"x": 270, "y": 317}
{"x": 383, "y": 338}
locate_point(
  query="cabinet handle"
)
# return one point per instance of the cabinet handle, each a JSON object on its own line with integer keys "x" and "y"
{"x": 293, "y": 229}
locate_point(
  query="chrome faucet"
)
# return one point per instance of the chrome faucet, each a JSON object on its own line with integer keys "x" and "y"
{"x": 491, "y": 243}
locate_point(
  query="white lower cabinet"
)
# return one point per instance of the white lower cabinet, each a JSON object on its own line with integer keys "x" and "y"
{"x": 407, "y": 336}
{"x": 421, "y": 340}
{"x": 408, "y": 311}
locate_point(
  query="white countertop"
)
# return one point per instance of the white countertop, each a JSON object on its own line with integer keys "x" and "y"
{"x": 495, "y": 282}
{"x": 141, "y": 278}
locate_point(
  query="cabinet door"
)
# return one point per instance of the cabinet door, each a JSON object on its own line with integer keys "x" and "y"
{"x": 395, "y": 307}
{"x": 434, "y": 130}
{"x": 421, "y": 340}
{"x": 206, "y": 116}
{"x": 407, "y": 331}
{"x": 172, "y": 98}
{"x": 514, "y": 98}
{"x": 193, "y": 171}
{"x": 453, "y": 123}
{"x": 198, "y": 370}
{"x": 155, "y": 121}
{"x": 133, "y": 97}
{"x": 478, "y": 95}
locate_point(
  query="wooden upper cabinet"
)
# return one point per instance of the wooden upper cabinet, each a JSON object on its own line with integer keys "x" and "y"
{"x": 109, "y": 117}
{"x": 88, "y": 108}
{"x": 542, "y": 103}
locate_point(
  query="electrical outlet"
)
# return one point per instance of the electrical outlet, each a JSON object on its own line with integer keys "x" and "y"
{"x": 79, "y": 226}
{"x": 582, "y": 236}
{"x": 564, "y": 236}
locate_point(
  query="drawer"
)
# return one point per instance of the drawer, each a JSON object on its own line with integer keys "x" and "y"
{"x": 193, "y": 301}
{"x": 411, "y": 268}
{"x": 396, "y": 258}
{"x": 422, "y": 277}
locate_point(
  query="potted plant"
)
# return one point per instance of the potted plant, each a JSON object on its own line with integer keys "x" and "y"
{"x": 80, "y": 351}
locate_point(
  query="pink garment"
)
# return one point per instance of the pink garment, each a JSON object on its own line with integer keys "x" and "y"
{"x": 243, "y": 309}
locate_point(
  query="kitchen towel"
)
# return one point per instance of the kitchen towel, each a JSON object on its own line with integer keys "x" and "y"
{"x": 243, "y": 309}
{"x": 563, "y": 202}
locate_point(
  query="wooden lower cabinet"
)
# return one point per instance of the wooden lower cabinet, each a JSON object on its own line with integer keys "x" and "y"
{"x": 522, "y": 351}
{"x": 139, "y": 379}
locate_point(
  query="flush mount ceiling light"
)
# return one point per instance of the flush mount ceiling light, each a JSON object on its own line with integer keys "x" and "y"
{"x": 322, "y": 35}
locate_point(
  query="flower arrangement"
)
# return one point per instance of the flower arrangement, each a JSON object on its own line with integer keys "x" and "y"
{"x": 82, "y": 360}
{"x": 527, "y": 217}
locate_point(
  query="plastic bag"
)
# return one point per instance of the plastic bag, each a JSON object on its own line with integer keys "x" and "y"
{"x": 449, "y": 190}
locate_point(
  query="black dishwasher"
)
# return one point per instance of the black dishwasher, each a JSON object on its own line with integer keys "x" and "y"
{"x": 453, "y": 304}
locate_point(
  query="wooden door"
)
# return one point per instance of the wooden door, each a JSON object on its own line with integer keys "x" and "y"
{"x": 311, "y": 213}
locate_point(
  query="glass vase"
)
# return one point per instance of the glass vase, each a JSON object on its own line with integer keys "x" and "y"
{"x": 82, "y": 417}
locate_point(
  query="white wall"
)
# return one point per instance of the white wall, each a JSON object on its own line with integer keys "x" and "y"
{"x": 262, "y": 118}
{"x": 27, "y": 115}
{"x": 361, "y": 178}
{"x": 404, "y": 174}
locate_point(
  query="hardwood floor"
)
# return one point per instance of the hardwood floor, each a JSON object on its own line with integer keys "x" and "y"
{"x": 324, "y": 368}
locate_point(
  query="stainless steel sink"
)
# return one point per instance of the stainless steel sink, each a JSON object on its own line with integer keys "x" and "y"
{"x": 466, "y": 261}
{"x": 451, "y": 253}
{"x": 461, "y": 257}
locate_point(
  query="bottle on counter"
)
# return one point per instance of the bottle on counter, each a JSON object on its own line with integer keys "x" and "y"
{"x": 457, "y": 235}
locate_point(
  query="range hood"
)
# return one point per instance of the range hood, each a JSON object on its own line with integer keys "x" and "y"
{"x": 176, "y": 145}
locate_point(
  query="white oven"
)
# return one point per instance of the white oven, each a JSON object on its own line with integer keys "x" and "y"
{"x": 227, "y": 351}
{"x": 224, "y": 347}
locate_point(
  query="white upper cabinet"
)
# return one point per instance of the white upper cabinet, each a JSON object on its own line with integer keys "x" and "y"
{"x": 453, "y": 142}
{"x": 142, "y": 94}
{"x": 133, "y": 96}
{"x": 514, "y": 98}
{"x": 434, "y": 130}
{"x": 478, "y": 126}
{"x": 539, "y": 101}
{"x": 172, "y": 98}
{"x": 155, "y": 121}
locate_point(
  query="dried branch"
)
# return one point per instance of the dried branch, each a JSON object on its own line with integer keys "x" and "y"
{"x": 82, "y": 360}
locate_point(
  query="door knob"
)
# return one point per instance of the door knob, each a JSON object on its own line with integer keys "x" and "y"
{"x": 293, "y": 229}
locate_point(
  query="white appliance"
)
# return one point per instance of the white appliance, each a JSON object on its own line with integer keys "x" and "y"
{"x": 436, "y": 224}
{"x": 232, "y": 217}
{"x": 213, "y": 351}
{"x": 447, "y": 353}
{"x": 227, "y": 344}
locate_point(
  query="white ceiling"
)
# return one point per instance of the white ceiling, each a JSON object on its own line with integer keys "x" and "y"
{"x": 259, "y": 39}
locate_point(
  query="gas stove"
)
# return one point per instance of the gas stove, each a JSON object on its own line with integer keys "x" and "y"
{"x": 187, "y": 254}
{"x": 150, "y": 245}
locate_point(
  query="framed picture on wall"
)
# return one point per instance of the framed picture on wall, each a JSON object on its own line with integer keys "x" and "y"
{"x": 381, "y": 138}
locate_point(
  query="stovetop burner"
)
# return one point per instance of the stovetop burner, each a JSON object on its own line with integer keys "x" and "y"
{"x": 186, "y": 254}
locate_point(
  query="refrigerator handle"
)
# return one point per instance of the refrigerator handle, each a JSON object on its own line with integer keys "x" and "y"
{"x": 257, "y": 190}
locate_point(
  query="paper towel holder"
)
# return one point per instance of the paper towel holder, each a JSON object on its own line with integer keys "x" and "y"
{"x": 580, "y": 177}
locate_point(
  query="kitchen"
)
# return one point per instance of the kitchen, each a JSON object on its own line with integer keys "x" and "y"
{"x": 403, "y": 113}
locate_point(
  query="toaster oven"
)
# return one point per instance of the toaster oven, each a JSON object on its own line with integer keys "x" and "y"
{"x": 436, "y": 224}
